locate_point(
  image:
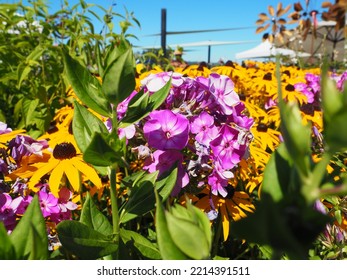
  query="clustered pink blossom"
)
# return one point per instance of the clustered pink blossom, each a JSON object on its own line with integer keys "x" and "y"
{"x": 53, "y": 209}
{"x": 200, "y": 127}
{"x": 312, "y": 87}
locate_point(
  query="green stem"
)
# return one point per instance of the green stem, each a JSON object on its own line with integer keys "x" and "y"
{"x": 114, "y": 201}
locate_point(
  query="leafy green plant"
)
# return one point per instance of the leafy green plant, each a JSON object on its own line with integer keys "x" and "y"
{"x": 28, "y": 241}
{"x": 32, "y": 84}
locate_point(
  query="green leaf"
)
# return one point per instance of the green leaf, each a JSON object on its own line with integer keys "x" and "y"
{"x": 167, "y": 247}
{"x": 119, "y": 78}
{"x": 7, "y": 251}
{"x": 276, "y": 178}
{"x": 23, "y": 71}
{"x": 30, "y": 235}
{"x": 286, "y": 227}
{"x": 84, "y": 125}
{"x": 142, "y": 104}
{"x": 188, "y": 236}
{"x": 83, "y": 241}
{"x": 29, "y": 107}
{"x": 141, "y": 199}
{"x": 296, "y": 136}
{"x": 92, "y": 217}
{"x": 100, "y": 153}
{"x": 167, "y": 182}
{"x": 86, "y": 87}
{"x": 335, "y": 133}
{"x": 331, "y": 99}
{"x": 202, "y": 221}
{"x": 143, "y": 245}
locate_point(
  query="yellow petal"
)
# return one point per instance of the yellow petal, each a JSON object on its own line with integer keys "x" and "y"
{"x": 55, "y": 178}
{"x": 225, "y": 222}
{"x": 87, "y": 170}
{"x": 45, "y": 169}
{"x": 73, "y": 175}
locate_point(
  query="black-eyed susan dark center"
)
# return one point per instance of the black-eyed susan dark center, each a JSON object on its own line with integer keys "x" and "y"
{"x": 231, "y": 191}
{"x": 262, "y": 127}
{"x": 289, "y": 87}
{"x": 267, "y": 77}
{"x": 64, "y": 151}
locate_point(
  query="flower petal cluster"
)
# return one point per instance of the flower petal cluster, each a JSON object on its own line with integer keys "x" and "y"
{"x": 201, "y": 127}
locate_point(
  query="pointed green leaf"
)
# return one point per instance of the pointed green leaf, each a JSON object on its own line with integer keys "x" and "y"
{"x": 84, "y": 125}
{"x": 143, "y": 245}
{"x": 92, "y": 217}
{"x": 23, "y": 71}
{"x": 167, "y": 247}
{"x": 119, "y": 78}
{"x": 166, "y": 183}
{"x": 188, "y": 236}
{"x": 157, "y": 98}
{"x": 141, "y": 199}
{"x": 34, "y": 243}
{"x": 83, "y": 241}
{"x": 277, "y": 174}
{"x": 142, "y": 104}
{"x": 7, "y": 251}
{"x": 87, "y": 87}
{"x": 202, "y": 221}
{"x": 99, "y": 152}
{"x": 335, "y": 133}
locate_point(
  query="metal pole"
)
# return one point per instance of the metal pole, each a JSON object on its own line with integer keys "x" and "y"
{"x": 163, "y": 31}
{"x": 209, "y": 55}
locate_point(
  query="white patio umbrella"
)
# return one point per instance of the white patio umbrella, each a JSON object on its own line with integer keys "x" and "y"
{"x": 266, "y": 49}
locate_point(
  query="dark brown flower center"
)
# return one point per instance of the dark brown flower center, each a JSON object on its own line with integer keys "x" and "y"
{"x": 289, "y": 87}
{"x": 267, "y": 77}
{"x": 231, "y": 191}
{"x": 64, "y": 151}
{"x": 262, "y": 127}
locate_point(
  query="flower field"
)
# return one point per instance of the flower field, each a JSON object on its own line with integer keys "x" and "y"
{"x": 103, "y": 158}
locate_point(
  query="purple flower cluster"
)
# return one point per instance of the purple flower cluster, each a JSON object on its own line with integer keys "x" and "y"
{"x": 311, "y": 88}
{"x": 23, "y": 145}
{"x": 200, "y": 127}
{"x": 53, "y": 209}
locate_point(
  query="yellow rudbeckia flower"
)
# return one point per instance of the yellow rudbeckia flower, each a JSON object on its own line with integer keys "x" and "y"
{"x": 63, "y": 161}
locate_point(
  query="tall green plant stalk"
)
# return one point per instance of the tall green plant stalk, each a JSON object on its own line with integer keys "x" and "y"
{"x": 114, "y": 200}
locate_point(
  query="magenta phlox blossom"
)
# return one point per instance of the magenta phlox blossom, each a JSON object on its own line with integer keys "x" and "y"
{"x": 238, "y": 118}
{"x": 341, "y": 81}
{"x": 122, "y": 107}
{"x": 311, "y": 88}
{"x": 64, "y": 200}
{"x": 155, "y": 81}
{"x": 24, "y": 203}
{"x": 162, "y": 161}
{"x": 166, "y": 130}
{"x": 222, "y": 88}
{"x": 217, "y": 184}
{"x": 8, "y": 209}
{"x": 48, "y": 203}
{"x": 226, "y": 148}
{"x": 204, "y": 128}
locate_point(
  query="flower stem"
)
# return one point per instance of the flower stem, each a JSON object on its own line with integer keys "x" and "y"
{"x": 114, "y": 202}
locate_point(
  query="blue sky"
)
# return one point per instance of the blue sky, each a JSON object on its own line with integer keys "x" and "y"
{"x": 185, "y": 15}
